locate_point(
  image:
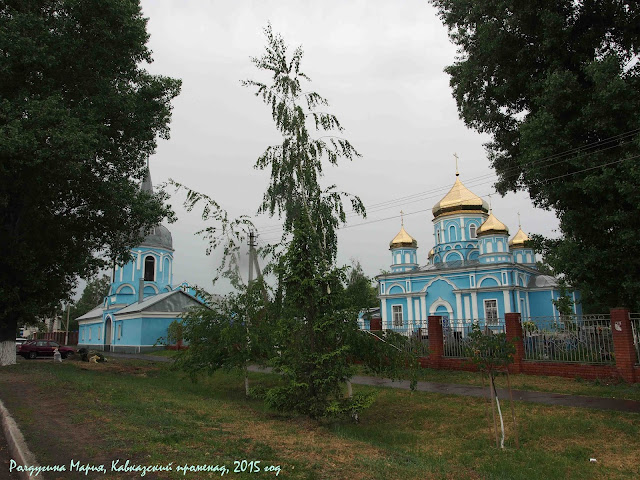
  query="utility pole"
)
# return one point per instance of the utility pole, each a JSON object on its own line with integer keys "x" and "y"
{"x": 252, "y": 254}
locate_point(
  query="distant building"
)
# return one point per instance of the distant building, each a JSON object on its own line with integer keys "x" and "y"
{"x": 142, "y": 302}
{"x": 475, "y": 273}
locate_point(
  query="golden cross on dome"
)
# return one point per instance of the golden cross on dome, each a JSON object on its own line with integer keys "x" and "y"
{"x": 519, "y": 225}
{"x": 490, "y": 204}
{"x": 456, "y": 156}
{"x": 402, "y": 218}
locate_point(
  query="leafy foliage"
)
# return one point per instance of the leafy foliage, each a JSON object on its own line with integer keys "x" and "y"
{"x": 564, "y": 302}
{"x": 490, "y": 352}
{"x": 79, "y": 116}
{"x": 93, "y": 295}
{"x": 557, "y": 85}
{"x": 313, "y": 329}
{"x": 359, "y": 293}
{"x": 227, "y": 333}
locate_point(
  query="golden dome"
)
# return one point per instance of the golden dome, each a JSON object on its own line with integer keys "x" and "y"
{"x": 431, "y": 254}
{"x": 492, "y": 225}
{"x": 459, "y": 200}
{"x": 518, "y": 239}
{"x": 403, "y": 239}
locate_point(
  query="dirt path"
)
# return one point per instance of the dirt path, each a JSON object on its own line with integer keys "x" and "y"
{"x": 57, "y": 434}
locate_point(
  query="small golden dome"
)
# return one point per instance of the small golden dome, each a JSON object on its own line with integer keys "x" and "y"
{"x": 492, "y": 226}
{"x": 518, "y": 239}
{"x": 431, "y": 254}
{"x": 403, "y": 239}
{"x": 460, "y": 200}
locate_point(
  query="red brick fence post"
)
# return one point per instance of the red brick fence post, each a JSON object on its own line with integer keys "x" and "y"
{"x": 513, "y": 329}
{"x": 436, "y": 342}
{"x": 623, "y": 343}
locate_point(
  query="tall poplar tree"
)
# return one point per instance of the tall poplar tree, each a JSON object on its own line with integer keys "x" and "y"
{"x": 556, "y": 83}
{"x": 79, "y": 117}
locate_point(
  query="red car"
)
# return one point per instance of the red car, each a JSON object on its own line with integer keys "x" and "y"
{"x": 43, "y": 348}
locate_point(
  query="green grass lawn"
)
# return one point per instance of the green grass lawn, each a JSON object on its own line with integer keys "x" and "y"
{"x": 146, "y": 412}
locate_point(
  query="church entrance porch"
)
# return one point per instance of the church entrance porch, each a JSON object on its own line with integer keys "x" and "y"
{"x": 107, "y": 335}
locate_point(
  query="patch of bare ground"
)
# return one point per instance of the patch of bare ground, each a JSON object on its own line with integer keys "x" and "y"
{"x": 116, "y": 367}
{"x": 57, "y": 434}
{"x": 309, "y": 442}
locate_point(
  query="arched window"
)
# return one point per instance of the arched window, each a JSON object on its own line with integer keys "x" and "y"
{"x": 452, "y": 234}
{"x": 472, "y": 231}
{"x": 149, "y": 269}
{"x": 438, "y": 235}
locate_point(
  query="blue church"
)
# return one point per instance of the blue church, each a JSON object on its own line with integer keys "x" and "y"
{"x": 141, "y": 302}
{"x": 474, "y": 273}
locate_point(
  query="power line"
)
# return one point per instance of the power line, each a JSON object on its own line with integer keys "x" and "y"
{"x": 489, "y": 178}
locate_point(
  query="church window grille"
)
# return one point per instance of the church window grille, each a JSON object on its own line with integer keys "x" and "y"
{"x": 397, "y": 315}
{"x": 472, "y": 231}
{"x": 491, "y": 312}
{"x": 149, "y": 269}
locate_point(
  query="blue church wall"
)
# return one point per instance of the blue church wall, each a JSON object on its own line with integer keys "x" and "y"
{"x": 131, "y": 272}
{"x": 91, "y": 334}
{"x": 540, "y": 303}
{"x": 153, "y": 329}
{"x": 389, "y": 313}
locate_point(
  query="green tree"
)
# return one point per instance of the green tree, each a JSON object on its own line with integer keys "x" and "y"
{"x": 312, "y": 330}
{"x": 79, "y": 117}
{"x": 227, "y": 333}
{"x": 555, "y": 84}
{"x": 492, "y": 353}
{"x": 359, "y": 293}
{"x": 92, "y": 296}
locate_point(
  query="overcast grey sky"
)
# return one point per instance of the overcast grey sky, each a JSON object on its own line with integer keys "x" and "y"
{"x": 380, "y": 64}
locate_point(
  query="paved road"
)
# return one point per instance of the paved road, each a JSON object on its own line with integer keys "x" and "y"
{"x": 545, "y": 398}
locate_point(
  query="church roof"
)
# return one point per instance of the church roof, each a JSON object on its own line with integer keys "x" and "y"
{"x": 96, "y": 312}
{"x": 518, "y": 239}
{"x": 403, "y": 239}
{"x": 542, "y": 281}
{"x": 158, "y": 236}
{"x": 459, "y": 200}
{"x": 174, "y": 301}
{"x": 492, "y": 226}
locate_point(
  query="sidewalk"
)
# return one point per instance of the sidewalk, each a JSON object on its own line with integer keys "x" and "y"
{"x": 546, "y": 398}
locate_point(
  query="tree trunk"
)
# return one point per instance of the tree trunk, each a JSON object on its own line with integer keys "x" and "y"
{"x": 7, "y": 352}
{"x": 495, "y": 393}
{"x": 8, "y": 341}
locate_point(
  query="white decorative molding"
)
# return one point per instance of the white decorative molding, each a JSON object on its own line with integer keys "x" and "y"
{"x": 126, "y": 285}
{"x": 439, "y": 302}
{"x": 439, "y": 277}
{"x": 390, "y": 287}
{"x": 487, "y": 277}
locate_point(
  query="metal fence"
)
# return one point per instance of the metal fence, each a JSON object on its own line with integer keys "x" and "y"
{"x": 455, "y": 334}
{"x": 416, "y": 343}
{"x": 569, "y": 338}
{"x": 635, "y": 329}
